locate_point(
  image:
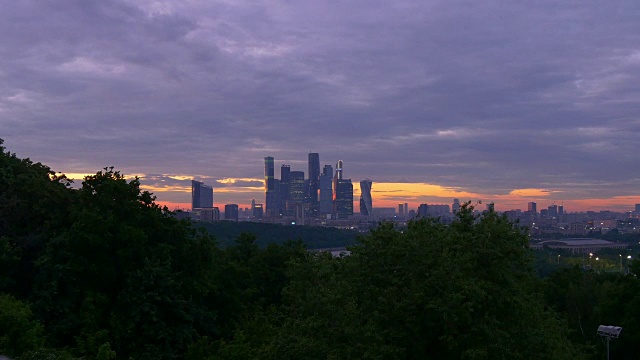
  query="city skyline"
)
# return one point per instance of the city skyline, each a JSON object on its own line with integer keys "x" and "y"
{"x": 243, "y": 191}
{"x": 431, "y": 100}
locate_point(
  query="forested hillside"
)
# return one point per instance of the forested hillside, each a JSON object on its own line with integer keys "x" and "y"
{"x": 313, "y": 237}
{"x": 102, "y": 272}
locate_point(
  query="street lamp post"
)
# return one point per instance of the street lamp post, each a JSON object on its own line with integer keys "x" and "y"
{"x": 609, "y": 333}
{"x": 628, "y": 258}
{"x": 620, "y": 263}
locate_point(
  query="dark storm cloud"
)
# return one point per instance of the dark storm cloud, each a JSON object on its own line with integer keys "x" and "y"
{"x": 490, "y": 96}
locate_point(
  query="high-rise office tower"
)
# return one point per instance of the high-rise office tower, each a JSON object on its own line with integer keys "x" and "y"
{"x": 342, "y": 194}
{"x": 257, "y": 212}
{"x": 455, "y": 208}
{"x": 327, "y": 170}
{"x": 423, "y": 210}
{"x": 296, "y": 191}
{"x": 637, "y": 209}
{"x": 338, "y": 170}
{"x": 336, "y": 176}
{"x": 285, "y": 170}
{"x": 325, "y": 184}
{"x": 366, "y": 202}
{"x": 561, "y": 213}
{"x": 532, "y": 207}
{"x": 231, "y": 212}
{"x": 271, "y": 193}
{"x": 552, "y": 212}
{"x": 314, "y": 179}
{"x": 343, "y": 203}
{"x": 401, "y": 209}
{"x": 201, "y": 195}
{"x": 406, "y": 209}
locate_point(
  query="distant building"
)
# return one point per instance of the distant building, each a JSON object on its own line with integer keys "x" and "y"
{"x": 578, "y": 228}
{"x": 436, "y": 210}
{"x": 342, "y": 194}
{"x": 181, "y": 215}
{"x": 401, "y": 209}
{"x": 491, "y": 207}
{"x": 384, "y": 212}
{"x": 285, "y": 170}
{"x": 201, "y": 195}
{"x": 206, "y": 214}
{"x": 578, "y": 245}
{"x": 455, "y": 208}
{"x": 231, "y": 212}
{"x": 313, "y": 186}
{"x": 366, "y": 202}
{"x": 343, "y": 203}
{"x": 271, "y": 192}
{"x": 532, "y": 207}
{"x": 258, "y": 211}
{"x": 637, "y": 209}
{"x": 326, "y": 190}
{"x": 296, "y": 191}
{"x": 338, "y": 174}
{"x": 423, "y": 210}
{"x": 439, "y": 210}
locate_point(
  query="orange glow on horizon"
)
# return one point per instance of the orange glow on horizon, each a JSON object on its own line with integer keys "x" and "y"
{"x": 391, "y": 194}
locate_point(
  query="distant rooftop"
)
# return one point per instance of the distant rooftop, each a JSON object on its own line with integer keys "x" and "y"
{"x": 578, "y": 241}
{"x": 578, "y": 245}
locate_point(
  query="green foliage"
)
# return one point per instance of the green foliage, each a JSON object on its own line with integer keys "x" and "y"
{"x": 464, "y": 291}
{"x": 313, "y": 237}
{"x": 33, "y": 203}
{"x": 105, "y": 352}
{"x": 19, "y": 332}
{"x": 48, "y": 354}
{"x": 126, "y": 273}
{"x": 588, "y": 299}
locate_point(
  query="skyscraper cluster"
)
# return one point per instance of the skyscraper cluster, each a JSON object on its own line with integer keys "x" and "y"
{"x": 320, "y": 194}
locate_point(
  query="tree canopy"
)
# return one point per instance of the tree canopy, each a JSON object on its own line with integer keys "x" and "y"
{"x": 100, "y": 271}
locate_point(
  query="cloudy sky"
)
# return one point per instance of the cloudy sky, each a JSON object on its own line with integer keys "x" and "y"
{"x": 504, "y": 101}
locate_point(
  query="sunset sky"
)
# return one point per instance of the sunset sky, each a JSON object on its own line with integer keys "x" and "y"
{"x": 498, "y": 101}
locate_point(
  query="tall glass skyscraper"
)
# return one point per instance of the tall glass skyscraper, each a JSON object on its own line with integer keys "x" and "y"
{"x": 313, "y": 187}
{"x": 271, "y": 193}
{"x": 342, "y": 194}
{"x": 201, "y": 195}
{"x": 366, "y": 202}
{"x": 296, "y": 190}
{"x": 343, "y": 203}
{"x": 285, "y": 170}
{"x": 326, "y": 191}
